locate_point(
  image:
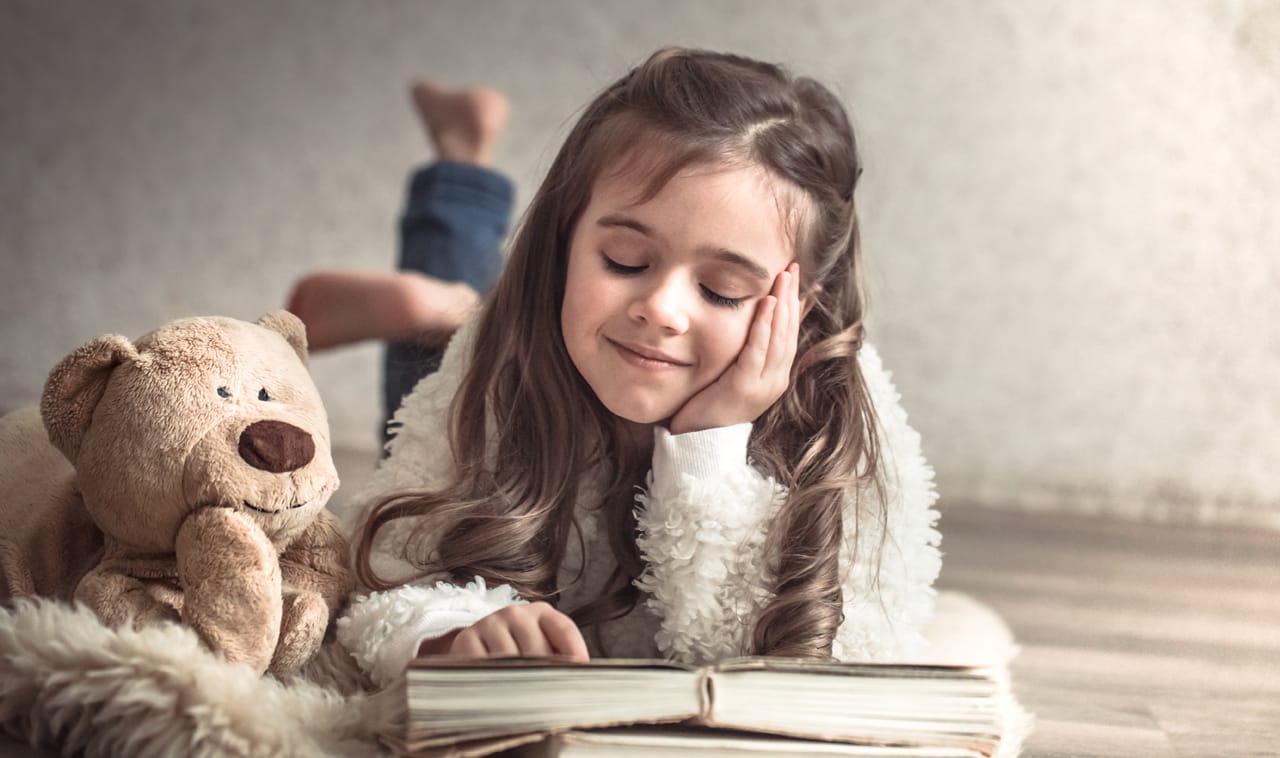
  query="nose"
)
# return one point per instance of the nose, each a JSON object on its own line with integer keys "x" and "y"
{"x": 665, "y": 306}
{"x": 276, "y": 446}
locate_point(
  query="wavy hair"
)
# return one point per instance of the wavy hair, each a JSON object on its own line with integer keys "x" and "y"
{"x": 525, "y": 428}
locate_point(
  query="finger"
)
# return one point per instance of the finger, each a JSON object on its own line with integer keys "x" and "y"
{"x": 780, "y": 334}
{"x": 796, "y": 316}
{"x": 779, "y": 288}
{"x": 497, "y": 639}
{"x": 440, "y": 645}
{"x": 755, "y": 353}
{"x": 563, "y": 636}
{"x": 782, "y": 318}
{"x": 467, "y": 645}
{"x": 530, "y": 639}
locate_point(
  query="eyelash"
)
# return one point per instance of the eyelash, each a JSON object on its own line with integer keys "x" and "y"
{"x": 710, "y": 295}
{"x": 620, "y": 269}
{"x": 716, "y": 298}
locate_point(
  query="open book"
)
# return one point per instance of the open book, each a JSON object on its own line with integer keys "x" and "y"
{"x": 465, "y": 708}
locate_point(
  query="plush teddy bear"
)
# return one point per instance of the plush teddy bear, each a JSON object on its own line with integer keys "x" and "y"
{"x": 193, "y": 472}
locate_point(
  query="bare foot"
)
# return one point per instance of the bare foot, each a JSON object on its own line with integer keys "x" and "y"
{"x": 463, "y": 124}
{"x": 343, "y": 307}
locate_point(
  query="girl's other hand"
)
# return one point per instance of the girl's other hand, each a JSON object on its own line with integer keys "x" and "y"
{"x": 532, "y": 631}
{"x": 762, "y": 371}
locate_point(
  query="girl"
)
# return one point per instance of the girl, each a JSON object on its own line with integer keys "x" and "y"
{"x": 659, "y": 436}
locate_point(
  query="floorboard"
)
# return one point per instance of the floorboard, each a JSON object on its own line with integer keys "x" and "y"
{"x": 1137, "y": 639}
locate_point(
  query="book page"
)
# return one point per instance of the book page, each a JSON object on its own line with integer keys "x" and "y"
{"x": 460, "y": 701}
{"x": 659, "y": 742}
{"x": 889, "y": 705}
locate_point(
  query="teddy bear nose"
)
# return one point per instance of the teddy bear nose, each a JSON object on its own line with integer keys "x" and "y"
{"x": 276, "y": 446}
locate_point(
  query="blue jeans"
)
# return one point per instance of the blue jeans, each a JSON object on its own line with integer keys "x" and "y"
{"x": 455, "y": 218}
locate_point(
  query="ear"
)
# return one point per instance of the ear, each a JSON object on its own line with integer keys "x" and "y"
{"x": 75, "y": 387}
{"x": 290, "y": 327}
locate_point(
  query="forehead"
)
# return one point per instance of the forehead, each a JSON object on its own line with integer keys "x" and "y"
{"x": 736, "y": 205}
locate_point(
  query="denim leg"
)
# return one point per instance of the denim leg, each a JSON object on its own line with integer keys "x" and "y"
{"x": 454, "y": 221}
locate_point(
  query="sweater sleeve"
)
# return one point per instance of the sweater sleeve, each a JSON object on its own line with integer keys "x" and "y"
{"x": 705, "y": 515}
{"x": 382, "y": 630}
{"x": 702, "y": 523}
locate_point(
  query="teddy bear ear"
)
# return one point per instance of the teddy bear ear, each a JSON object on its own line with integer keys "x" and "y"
{"x": 76, "y": 385}
{"x": 290, "y": 327}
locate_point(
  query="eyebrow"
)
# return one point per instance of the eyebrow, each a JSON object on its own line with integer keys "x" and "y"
{"x": 719, "y": 253}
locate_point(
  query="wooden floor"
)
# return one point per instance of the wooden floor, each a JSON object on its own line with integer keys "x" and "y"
{"x": 1137, "y": 639}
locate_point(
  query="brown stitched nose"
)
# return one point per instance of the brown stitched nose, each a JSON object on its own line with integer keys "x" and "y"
{"x": 276, "y": 446}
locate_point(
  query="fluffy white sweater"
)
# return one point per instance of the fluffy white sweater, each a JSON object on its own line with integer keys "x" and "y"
{"x": 703, "y": 521}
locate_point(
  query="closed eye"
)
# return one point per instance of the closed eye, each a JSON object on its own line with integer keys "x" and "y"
{"x": 715, "y": 298}
{"x": 620, "y": 269}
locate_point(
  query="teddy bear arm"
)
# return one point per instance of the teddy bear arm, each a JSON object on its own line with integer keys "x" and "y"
{"x": 231, "y": 581}
{"x": 117, "y": 597}
{"x": 316, "y": 584}
{"x": 317, "y": 562}
{"x": 303, "y": 624}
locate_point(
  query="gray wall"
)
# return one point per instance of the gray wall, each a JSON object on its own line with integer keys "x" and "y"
{"x": 1070, "y": 208}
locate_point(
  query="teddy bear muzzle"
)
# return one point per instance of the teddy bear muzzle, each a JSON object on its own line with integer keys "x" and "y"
{"x": 276, "y": 447}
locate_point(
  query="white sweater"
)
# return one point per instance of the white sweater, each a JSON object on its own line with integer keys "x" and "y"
{"x": 703, "y": 521}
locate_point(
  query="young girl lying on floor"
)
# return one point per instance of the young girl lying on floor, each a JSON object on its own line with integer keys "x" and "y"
{"x": 662, "y": 434}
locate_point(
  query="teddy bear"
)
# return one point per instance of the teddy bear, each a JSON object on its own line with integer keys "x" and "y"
{"x": 182, "y": 477}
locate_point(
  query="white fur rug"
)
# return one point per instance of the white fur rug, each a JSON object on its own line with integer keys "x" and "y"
{"x": 69, "y": 683}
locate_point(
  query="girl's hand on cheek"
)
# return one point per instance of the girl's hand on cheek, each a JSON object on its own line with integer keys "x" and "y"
{"x": 531, "y": 631}
{"x": 762, "y": 370}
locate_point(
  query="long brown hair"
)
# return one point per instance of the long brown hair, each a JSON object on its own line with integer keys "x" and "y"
{"x": 525, "y": 428}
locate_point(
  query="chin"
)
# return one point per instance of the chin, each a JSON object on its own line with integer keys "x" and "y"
{"x": 639, "y": 412}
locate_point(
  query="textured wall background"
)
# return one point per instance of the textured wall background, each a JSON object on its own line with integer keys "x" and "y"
{"x": 1070, "y": 208}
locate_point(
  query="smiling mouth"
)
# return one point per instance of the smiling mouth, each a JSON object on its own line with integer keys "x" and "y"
{"x": 253, "y": 507}
{"x": 646, "y": 359}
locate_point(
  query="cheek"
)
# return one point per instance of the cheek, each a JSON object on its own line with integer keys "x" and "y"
{"x": 578, "y": 320}
{"x": 578, "y": 280}
{"x": 571, "y": 307}
{"x": 725, "y": 338}
{"x": 591, "y": 298}
{"x": 576, "y": 309}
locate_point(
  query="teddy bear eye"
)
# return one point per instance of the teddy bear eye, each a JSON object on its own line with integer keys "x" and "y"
{"x": 224, "y": 392}
{"x": 262, "y": 395}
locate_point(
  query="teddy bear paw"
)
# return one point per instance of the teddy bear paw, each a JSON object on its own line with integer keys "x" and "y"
{"x": 302, "y": 628}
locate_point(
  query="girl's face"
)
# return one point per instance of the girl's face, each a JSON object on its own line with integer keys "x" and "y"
{"x": 660, "y": 295}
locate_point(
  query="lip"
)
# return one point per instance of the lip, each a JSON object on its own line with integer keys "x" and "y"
{"x": 646, "y": 357}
